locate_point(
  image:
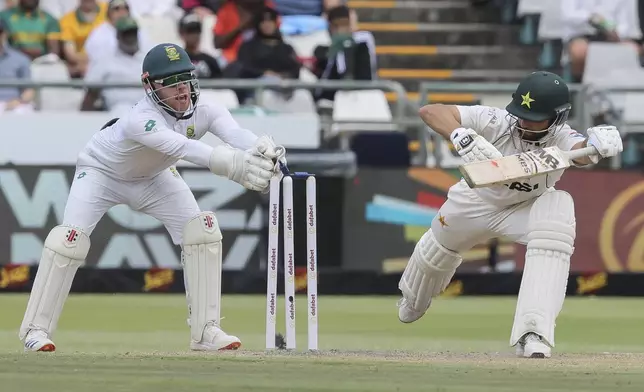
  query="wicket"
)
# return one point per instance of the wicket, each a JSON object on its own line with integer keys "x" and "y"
{"x": 289, "y": 260}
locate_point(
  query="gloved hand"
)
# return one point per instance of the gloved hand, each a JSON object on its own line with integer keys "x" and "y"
{"x": 248, "y": 169}
{"x": 252, "y": 171}
{"x": 265, "y": 146}
{"x": 473, "y": 147}
{"x": 606, "y": 139}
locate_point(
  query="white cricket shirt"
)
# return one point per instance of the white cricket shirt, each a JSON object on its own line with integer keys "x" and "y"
{"x": 575, "y": 15}
{"x": 148, "y": 140}
{"x": 494, "y": 125}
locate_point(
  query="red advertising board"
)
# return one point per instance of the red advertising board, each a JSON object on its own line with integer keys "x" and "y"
{"x": 609, "y": 208}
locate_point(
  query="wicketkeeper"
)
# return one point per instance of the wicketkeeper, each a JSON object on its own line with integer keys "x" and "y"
{"x": 131, "y": 161}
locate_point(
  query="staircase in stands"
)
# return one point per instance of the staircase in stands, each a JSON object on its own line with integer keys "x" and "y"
{"x": 443, "y": 40}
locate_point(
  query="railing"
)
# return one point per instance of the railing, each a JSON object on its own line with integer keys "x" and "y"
{"x": 581, "y": 115}
{"x": 242, "y": 84}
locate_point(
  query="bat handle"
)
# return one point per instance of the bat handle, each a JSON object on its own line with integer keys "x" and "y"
{"x": 581, "y": 152}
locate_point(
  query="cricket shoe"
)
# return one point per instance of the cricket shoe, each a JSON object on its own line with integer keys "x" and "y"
{"x": 532, "y": 346}
{"x": 215, "y": 339}
{"x": 37, "y": 340}
{"x": 406, "y": 313}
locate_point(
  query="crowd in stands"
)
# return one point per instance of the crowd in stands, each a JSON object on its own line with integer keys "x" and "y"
{"x": 106, "y": 41}
{"x": 599, "y": 45}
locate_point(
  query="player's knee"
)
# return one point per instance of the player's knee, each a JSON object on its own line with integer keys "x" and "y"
{"x": 202, "y": 229}
{"x": 432, "y": 251}
{"x": 68, "y": 241}
{"x": 551, "y": 224}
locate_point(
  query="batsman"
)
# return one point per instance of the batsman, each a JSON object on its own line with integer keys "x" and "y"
{"x": 530, "y": 211}
{"x": 131, "y": 161}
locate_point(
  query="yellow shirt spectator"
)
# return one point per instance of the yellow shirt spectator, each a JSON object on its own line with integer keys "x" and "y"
{"x": 75, "y": 30}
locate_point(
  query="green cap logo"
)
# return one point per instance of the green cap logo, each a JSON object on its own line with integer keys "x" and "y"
{"x": 527, "y": 100}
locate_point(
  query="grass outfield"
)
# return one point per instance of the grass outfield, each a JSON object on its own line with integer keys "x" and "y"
{"x": 140, "y": 343}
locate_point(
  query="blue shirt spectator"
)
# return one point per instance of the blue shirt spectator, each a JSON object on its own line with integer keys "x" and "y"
{"x": 14, "y": 66}
{"x": 299, "y": 7}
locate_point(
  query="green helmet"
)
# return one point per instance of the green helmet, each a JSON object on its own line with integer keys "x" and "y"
{"x": 541, "y": 96}
{"x": 167, "y": 66}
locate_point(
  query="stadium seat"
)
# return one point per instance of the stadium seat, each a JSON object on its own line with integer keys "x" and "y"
{"x": 550, "y": 31}
{"x": 604, "y": 58}
{"x": 360, "y": 111}
{"x": 160, "y": 29}
{"x": 304, "y": 45}
{"x": 56, "y": 99}
{"x": 633, "y": 115}
{"x": 228, "y": 98}
{"x": 301, "y": 102}
{"x": 529, "y": 10}
{"x": 531, "y": 7}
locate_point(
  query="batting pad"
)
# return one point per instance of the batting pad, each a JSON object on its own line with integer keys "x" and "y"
{"x": 202, "y": 267}
{"x": 551, "y": 238}
{"x": 64, "y": 251}
{"x": 428, "y": 272}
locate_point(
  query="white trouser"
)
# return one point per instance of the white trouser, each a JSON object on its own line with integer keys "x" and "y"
{"x": 465, "y": 220}
{"x": 165, "y": 197}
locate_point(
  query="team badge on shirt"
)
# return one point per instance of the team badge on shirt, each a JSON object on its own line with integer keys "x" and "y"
{"x": 190, "y": 132}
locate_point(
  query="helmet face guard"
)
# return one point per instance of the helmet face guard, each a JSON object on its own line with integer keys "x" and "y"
{"x": 541, "y": 97}
{"x": 555, "y": 123}
{"x": 171, "y": 83}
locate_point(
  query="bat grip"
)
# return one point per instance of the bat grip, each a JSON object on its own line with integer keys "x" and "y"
{"x": 581, "y": 152}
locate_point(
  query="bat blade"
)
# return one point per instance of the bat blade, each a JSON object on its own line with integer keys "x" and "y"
{"x": 514, "y": 167}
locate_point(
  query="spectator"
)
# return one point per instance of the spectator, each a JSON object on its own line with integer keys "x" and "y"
{"x": 155, "y": 8}
{"x": 206, "y": 67}
{"x": 14, "y": 65}
{"x": 75, "y": 28}
{"x": 351, "y": 55}
{"x": 103, "y": 38}
{"x": 587, "y": 21}
{"x": 353, "y": 16}
{"x": 266, "y": 54}
{"x": 31, "y": 30}
{"x": 120, "y": 65}
{"x": 201, "y": 8}
{"x": 235, "y": 21}
{"x": 308, "y": 16}
{"x": 4, "y": 4}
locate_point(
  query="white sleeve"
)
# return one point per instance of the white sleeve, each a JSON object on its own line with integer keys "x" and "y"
{"x": 95, "y": 71}
{"x": 153, "y": 134}
{"x": 566, "y": 138}
{"x": 575, "y": 13}
{"x": 92, "y": 45}
{"x": 627, "y": 22}
{"x": 484, "y": 120}
{"x": 224, "y": 126}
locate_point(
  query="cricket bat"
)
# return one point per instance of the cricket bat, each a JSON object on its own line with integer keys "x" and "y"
{"x": 518, "y": 166}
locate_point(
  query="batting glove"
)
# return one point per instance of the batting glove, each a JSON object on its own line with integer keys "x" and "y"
{"x": 473, "y": 147}
{"x": 606, "y": 139}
